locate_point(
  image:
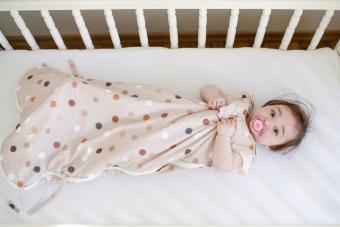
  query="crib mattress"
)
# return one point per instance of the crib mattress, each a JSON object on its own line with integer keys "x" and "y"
{"x": 302, "y": 188}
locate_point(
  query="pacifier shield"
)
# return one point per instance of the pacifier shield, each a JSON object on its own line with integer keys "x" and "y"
{"x": 258, "y": 125}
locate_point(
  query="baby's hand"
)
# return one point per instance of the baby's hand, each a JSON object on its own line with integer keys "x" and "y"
{"x": 216, "y": 103}
{"x": 226, "y": 127}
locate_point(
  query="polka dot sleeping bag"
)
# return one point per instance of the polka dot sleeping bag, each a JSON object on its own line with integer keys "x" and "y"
{"x": 75, "y": 129}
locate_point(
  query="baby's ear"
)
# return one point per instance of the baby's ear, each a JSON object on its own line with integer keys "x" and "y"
{"x": 270, "y": 147}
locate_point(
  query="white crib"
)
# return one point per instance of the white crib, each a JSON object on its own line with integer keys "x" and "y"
{"x": 306, "y": 192}
{"x": 44, "y": 6}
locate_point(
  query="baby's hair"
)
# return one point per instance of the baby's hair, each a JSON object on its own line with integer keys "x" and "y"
{"x": 302, "y": 114}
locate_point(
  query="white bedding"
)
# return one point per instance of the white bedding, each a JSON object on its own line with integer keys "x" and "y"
{"x": 301, "y": 190}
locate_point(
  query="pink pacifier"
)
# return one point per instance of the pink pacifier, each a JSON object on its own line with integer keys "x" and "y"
{"x": 258, "y": 126}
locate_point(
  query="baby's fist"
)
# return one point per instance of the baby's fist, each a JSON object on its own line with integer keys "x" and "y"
{"x": 216, "y": 103}
{"x": 226, "y": 127}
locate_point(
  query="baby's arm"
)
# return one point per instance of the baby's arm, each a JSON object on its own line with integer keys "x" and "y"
{"x": 224, "y": 159}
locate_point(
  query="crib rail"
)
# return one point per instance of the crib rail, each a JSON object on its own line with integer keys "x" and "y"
{"x": 14, "y": 6}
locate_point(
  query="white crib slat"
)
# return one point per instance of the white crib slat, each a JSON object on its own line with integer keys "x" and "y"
{"x": 112, "y": 28}
{"x": 173, "y": 28}
{"x": 53, "y": 30}
{"x": 321, "y": 29}
{"x": 261, "y": 30}
{"x": 4, "y": 42}
{"x": 84, "y": 33}
{"x": 202, "y": 28}
{"x": 232, "y": 28}
{"x": 294, "y": 20}
{"x": 24, "y": 30}
{"x": 143, "y": 36}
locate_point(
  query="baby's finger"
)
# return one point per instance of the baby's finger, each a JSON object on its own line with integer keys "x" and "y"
{"x": 230, "y": 120}
{"x": 213, "y": 105}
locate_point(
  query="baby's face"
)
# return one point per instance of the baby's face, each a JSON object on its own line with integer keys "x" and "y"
{"x": 273, "y": 125}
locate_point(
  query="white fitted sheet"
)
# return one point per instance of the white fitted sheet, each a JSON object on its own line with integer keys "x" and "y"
{"x": 301, "y": 190}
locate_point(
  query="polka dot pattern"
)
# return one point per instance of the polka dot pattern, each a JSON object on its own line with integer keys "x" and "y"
{"x": 206, "y": 122}
{"x": 188, "y": 130}
{"x": 34, "y": 129}
{"x": 112, "y": 136}
{"x": 70, "y": 169}
{"x": 142, "y": 152}
{"x": 146, "y": 117}
{"x": 115, "y": 97}
{"x": 83, "y": 113}
{"x": 71, "y": 103}
{"x": 28, "y": 163}
{"x": 95, "y": 99}
{"x": 131, "y": 114}
{"x": 111, "y": 148}
{"x": 13, "y": 148}
{"x": 46, "y": 83}
{"x": 36, "y": 169}
{"x": 115, "y": 119}
{"x": 26, "y": 145}
{"x": 20, "y": 183}
{"x": 99, "y": 125}
{"x": 195, "y": 160}
{"x": 53, "y": 103}
{"x": 56, "y": 144}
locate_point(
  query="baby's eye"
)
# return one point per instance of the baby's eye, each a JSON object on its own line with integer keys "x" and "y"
{"x": 272, "y": 113}
{"x": 276, "y": 131}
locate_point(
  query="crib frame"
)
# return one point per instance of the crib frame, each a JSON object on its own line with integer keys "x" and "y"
{"x": 14, "y": 6}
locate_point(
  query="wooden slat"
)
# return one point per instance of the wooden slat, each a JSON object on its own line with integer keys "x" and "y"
{"x": 112, "y": 28}
{"x": 321, "y": 29}
{"x": 232, "y": 28}
{"x": 261, "y": 30}
{"x": 143, "y": 36}
{"x": 4, "y": 42}
{"x": 24, "y": 30}
{"x": 173, "y": 28}
{"x": 294, "y": 20}
{"x": 53, "y": 30}
{"x": 84, "y": 33}
{"x": 202, "y": 28}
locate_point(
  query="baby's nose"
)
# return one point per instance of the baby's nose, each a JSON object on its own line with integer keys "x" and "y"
{"x": 266, "y": 123}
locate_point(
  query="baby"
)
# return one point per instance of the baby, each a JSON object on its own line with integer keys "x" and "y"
{"x": 279, "y": 125}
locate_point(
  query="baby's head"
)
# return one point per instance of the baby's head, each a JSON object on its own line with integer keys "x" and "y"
{"x": 279, "y": 125}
